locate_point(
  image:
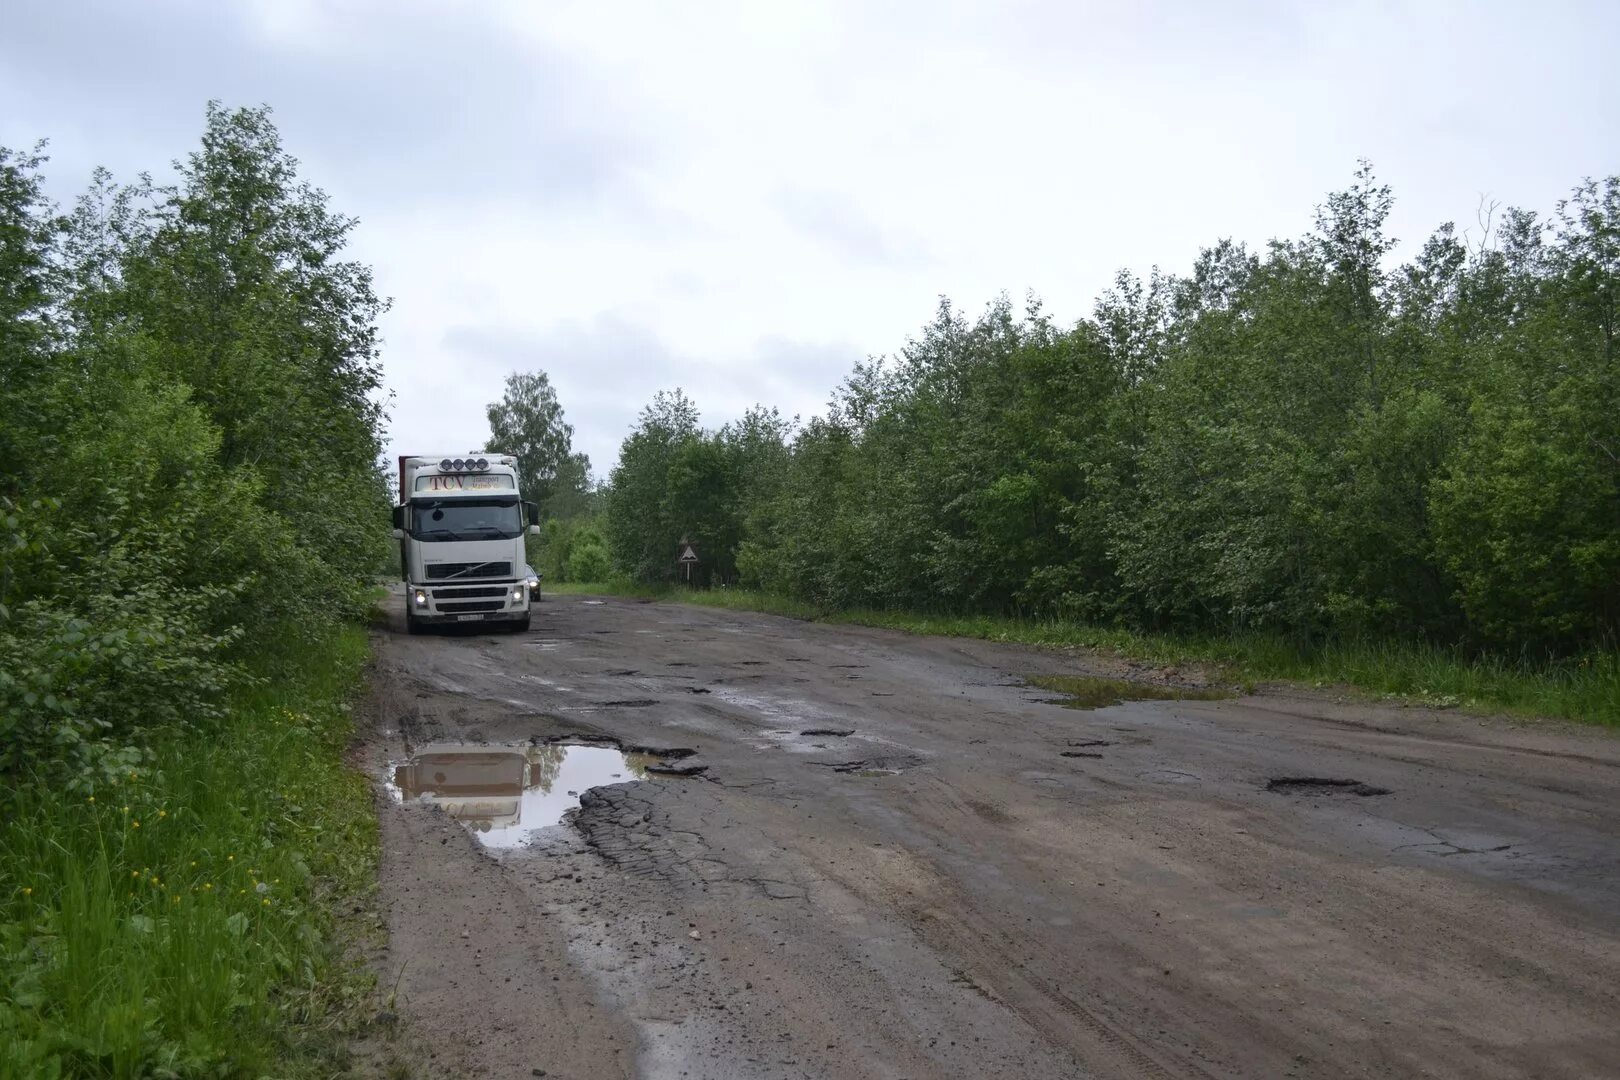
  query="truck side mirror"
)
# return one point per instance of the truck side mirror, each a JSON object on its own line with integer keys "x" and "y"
{"x": 399, "y": 520}
{"x": 532, "y": 510}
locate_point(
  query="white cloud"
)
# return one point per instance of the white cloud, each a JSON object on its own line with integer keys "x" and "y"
{"x": 743, "y": 198}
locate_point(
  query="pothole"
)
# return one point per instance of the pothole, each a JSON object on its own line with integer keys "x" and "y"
{"x": 1079, "y": 753}
{"x": 629, "y": 703}
{"x": 505, "y": 794}
{"x": 829, "y": 732}
{"x": 1322, "y": 785}
{"x": 1086, "y": 692}
{"x": 887, "y": 765}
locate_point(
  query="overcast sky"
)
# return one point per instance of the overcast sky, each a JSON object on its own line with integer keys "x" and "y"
{"x": 743, "y": 199}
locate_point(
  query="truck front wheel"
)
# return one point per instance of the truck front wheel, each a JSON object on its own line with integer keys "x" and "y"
{"x": 411, "y": 625}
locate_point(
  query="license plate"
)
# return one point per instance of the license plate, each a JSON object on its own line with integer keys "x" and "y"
{"x": 469, "y": 618}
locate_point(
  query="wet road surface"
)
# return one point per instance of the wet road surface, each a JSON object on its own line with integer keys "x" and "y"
{"x": 865, "y": 854}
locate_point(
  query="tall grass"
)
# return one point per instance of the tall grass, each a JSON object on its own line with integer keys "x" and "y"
{"x": 182, "y": 920}
{"x": 1584, "y": 688}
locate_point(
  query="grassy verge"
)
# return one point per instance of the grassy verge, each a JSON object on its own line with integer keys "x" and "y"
{"x": 1585, "y": 689}
{"x": 181, "y": 922}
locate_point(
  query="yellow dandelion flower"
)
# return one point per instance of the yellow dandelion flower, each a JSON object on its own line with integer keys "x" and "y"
{"x": 207, "y": 885}
{"x": 126, "y": 809}
{"x": 266, "y": 903}
{"x": 134, "y": 873}
{"x": 28, "y": 891}
{"x": 92, "y": 798}
{"x": 163, "y": 813}
{"x": 230, "y": 858}
{"x": 194, "y": 864}
{"x": 134, "y": 824}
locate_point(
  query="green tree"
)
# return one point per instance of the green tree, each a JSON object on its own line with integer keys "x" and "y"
{"x": 640, "y": 531}
{"x": 528, "y": 423}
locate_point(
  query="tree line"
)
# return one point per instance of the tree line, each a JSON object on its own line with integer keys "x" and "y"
{"x": 190, "y": 438}
{"x": 1307, "y": 439}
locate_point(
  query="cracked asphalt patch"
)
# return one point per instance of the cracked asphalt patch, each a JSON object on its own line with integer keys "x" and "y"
{"x": 892, "y": 877}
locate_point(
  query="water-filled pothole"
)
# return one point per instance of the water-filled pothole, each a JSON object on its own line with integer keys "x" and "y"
{"x": 504, "y": 794}
{"x": 1085, "y": 692}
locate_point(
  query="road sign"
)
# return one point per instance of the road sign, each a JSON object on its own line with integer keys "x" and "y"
{"x": 688, "y": 554}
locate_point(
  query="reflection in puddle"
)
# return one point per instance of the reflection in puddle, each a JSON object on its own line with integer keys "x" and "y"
{"x": 506, "y": 793}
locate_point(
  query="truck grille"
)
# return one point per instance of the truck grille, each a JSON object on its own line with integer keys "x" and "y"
{"x": 461, "y": 607}
{"x": 440, "y": 571}
{"x": 442, "y": 595}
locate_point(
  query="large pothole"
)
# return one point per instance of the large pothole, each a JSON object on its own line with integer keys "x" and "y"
{"x": 505, "y": 794}
{"x": 1322, "y": 785}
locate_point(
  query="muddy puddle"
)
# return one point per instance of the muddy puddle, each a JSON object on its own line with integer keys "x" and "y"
{"x": 1085, "y": 692}
{"x": 504, "y": 794}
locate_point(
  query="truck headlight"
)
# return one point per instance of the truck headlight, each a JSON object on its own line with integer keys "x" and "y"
{"x": 421, "y": 598}
{"x": 517, "y": 593}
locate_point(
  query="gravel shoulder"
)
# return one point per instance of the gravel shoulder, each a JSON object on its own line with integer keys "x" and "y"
{"x": 892, "y": 858}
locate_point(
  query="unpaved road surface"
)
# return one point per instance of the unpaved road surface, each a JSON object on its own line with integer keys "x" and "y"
{"x": 941, "y": 892}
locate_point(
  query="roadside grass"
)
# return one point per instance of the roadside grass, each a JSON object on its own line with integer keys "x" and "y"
{"x": 185, "y": 920}
{"x": 1585, "y": 688}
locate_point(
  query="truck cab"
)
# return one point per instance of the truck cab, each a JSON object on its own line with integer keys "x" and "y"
{"x": 460, "y": 523}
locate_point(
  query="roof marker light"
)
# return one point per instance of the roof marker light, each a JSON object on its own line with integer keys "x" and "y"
{"x": 444, "y": 466}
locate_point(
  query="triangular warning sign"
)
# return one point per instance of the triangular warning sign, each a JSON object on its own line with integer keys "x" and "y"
{"x": 688, "y": 555}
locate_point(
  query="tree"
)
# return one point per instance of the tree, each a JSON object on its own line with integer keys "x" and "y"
{"x": 640, "y": 533}
{"x": 528, "y": 423}
{"x": 1309, "y": 441}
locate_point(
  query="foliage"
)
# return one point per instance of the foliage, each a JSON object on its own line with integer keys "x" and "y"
{"x": 191, "y": 506}
{"x": 177, "y": 918}
{"x": 528, "y": 423}
{"x": 1311, "y": 443}
{"x": 201, "y": 363}
{"x": 573, "y": 550}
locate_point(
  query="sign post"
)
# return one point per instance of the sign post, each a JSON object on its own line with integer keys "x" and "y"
{"x": 687, "y": 559}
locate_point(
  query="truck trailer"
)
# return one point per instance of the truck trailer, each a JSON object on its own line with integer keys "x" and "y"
{"x": 460, "y": 523}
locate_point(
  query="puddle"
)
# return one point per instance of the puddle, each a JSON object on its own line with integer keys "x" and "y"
{"x": 1085, "y": 692}
{"x": 504, "y": 794}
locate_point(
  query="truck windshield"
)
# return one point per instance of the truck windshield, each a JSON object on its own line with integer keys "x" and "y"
{"x": 465, "y": 519}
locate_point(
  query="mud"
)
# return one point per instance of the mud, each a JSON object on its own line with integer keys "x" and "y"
{"x": 902, "y": 876}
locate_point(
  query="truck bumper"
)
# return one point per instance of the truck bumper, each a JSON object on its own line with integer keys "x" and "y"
{"x": 485, "y": 601}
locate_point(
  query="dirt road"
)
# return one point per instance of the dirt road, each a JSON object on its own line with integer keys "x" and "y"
{"x": 956, "y": 877}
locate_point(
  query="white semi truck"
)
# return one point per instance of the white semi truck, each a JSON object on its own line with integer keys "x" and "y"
{"x": 460, "y": 524}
